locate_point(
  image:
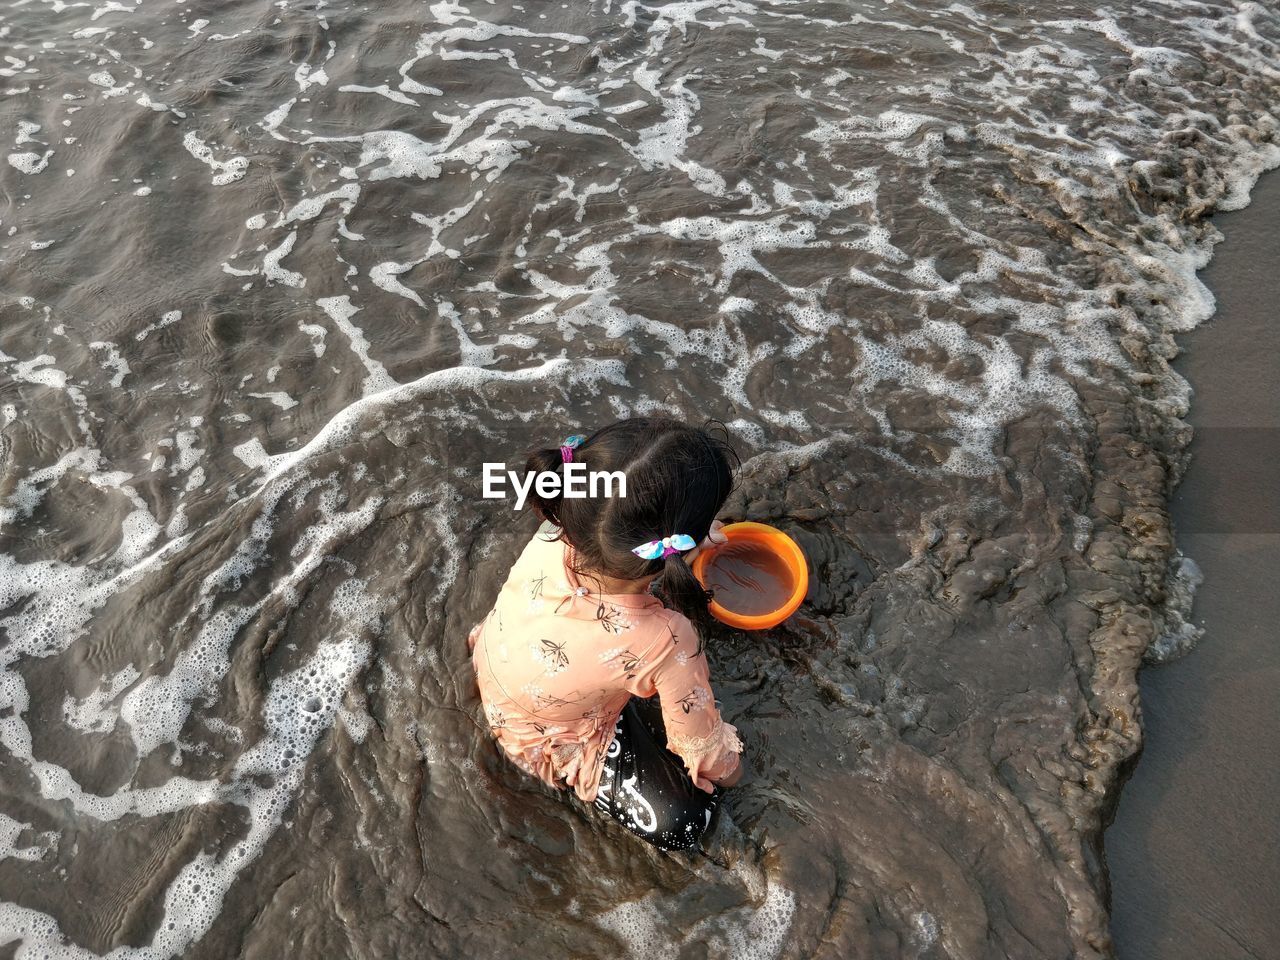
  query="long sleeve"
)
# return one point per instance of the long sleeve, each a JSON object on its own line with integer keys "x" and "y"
{"x": 695, "y": 730}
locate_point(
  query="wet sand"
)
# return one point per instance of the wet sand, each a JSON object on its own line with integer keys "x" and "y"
{"x": 1192, "y": 852}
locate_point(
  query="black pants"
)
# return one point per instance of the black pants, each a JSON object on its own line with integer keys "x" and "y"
{"x": 646, "y": 787}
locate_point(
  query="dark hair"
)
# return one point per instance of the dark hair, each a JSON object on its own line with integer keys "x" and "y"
{"x": 678, "y": 478}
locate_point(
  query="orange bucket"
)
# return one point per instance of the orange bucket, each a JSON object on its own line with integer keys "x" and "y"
{"x": 789, "y": 565}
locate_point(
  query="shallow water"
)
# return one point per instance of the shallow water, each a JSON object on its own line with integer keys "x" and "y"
{"x": 276, "y": 279}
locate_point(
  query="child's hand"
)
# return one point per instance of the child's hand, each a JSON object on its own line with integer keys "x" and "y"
{"x": 715, "y": 536}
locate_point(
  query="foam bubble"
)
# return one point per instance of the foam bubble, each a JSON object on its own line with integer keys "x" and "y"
{"x": 225, "y": 171}
{"x": 11, "y": 830}
{"x": 29, "y": 162}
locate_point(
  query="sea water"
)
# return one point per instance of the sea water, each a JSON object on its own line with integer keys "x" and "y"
{"x": 276, "y": 278}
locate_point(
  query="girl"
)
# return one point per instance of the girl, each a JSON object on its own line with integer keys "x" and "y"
{"x": 576, "y": 634}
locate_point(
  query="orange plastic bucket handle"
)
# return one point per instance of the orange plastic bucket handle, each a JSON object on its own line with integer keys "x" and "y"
{"x": 782, "y": 546}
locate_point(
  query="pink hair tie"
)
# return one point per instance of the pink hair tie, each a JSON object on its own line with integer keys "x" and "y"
{"x": 570, "y": 444}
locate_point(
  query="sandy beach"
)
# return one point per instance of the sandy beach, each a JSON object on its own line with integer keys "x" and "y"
{"x": 1192, "y": 851}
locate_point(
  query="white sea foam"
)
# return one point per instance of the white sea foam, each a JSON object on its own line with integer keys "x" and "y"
{"x": 30, "y": 162}
{"x": 756, "y": 931}
{"x": 340, "y": 311}
{"x": 382, "y": 90}
{"x": 172, "y": 316}
{"x": 11, "y": 829}
{"x": 94, "y": 714}
{"x": 225, "y": 171}
{"x": 300, "y": 708}
{"x": 113, "y": 361}
{"x": 272, "y": 270}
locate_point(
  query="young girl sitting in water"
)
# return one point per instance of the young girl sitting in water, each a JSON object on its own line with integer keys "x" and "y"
{"x": 575, "y": 636}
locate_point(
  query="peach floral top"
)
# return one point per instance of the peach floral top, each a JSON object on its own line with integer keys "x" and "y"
{"x": 556, "y": 663}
